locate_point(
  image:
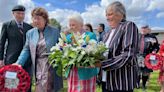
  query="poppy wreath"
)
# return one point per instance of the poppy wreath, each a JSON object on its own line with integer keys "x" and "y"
{"x": 148, "y": 63}
{"x": 22, "y": 75}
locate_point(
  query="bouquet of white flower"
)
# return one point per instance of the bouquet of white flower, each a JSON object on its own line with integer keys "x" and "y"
{"x": 79, "y": 52}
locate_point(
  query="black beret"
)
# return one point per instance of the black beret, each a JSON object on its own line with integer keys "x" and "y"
{"x": 145, "y": 26}
{"x": 19, "y": 8}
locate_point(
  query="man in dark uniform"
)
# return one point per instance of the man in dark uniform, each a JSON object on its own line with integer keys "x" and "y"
{"x": 12, "y": 38}
{"x": 148, "y": 43}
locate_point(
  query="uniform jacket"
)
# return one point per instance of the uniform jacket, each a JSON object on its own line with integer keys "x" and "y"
{"x": 14, "y": 40}
{"x": 150, "y": 44}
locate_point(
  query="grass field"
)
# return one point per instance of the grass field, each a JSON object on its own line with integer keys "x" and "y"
{"x": 152, "y": 86}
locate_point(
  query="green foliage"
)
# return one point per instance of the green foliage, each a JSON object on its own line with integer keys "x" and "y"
{"x": 79, "y": 53}
{"x": 74, "y": 56}
{"x": 55, "y": 23}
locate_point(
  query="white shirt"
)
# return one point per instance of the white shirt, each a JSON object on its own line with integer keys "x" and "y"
{"x": 106, "y": 53}
{"x": 18, "y": 24}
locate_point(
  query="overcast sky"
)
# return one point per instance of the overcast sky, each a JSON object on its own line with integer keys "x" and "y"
{"x": 142, "y": 12}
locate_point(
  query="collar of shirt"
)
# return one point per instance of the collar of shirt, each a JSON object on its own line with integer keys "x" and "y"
{"x": 18, "y": 24}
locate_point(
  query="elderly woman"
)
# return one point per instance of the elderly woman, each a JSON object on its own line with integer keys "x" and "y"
{"x": 80, "y": 79}
{"x": 120, "y": 69}
{"x": 39, "y": 40}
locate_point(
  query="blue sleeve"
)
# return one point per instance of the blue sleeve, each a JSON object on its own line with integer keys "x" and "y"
{"x": 91, "y": 35}
{"x": 94, "y": 36}
{"x": 68, "y": 37}
{"x": 25, "y": 54}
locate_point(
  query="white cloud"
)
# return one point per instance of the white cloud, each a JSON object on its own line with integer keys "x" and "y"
{"x": 157, "y": 28}
{"x": 160, "y": 15}
{"x": 48, "y": 4}
{"x": 155, "y": 4}
{"x": 139, "y": 21}
{"x": 6, "y": 13}
{"x": 94, "y": 15}
{"x": 136, "y": 7}
{"x": 5, "y": 10}
{"x": 61, "y": 15}
{"x": 105, "y": 3}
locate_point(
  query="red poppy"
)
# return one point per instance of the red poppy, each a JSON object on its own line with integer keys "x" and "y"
{"x": 22, "y": 75}
{"x": 161, "y": 50}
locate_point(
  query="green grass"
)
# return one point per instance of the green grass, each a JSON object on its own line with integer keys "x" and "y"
{"x": 152, "y": 86}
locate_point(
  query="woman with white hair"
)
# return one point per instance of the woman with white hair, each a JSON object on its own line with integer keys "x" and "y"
{"x": 80, "y": 79}
{"x": 120, "y": 69}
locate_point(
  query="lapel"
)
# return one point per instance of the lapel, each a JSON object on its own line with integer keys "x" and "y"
{"x": 24, "y": 28}
{"x": 33, "y": 43}
{"x": 16, "y": 29}
{"x": 50, "y": 36}
{"x": 117, "y": 36}
{"x": 47, "y": 35}
{"x": 106, "y": 36}
{"x": 114, "y": 37}
{"x": 35, "y": 37}
{"x": 50, "y": 39}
